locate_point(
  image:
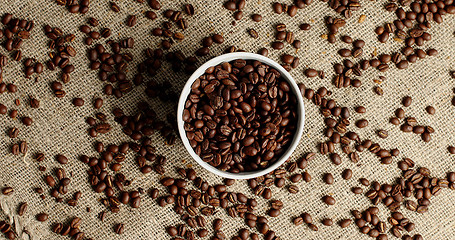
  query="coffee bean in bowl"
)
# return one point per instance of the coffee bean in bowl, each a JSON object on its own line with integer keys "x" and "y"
{"x": 240, "y": 115}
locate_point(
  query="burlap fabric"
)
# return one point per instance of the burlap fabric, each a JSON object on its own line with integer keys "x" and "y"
{"x": 59, "y": 127}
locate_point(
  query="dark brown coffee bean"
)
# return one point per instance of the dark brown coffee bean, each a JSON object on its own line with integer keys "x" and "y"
{"x": 305, "y": 26}
{"x": 7, "y": 191}
{"x": 382, "y": 134}
{"x": 253, "y": 33}
{"x": 298, "y": 221}
{"x": 347, "y": 174}
{"x": 217, "y": 38}
{"x": 278, "y": 8}
{"x": 307, "y": 218}
{"x": 327, "y": 222}
{"x": 328, "y": 200}
{"x": 217, "y": 224}
{"x": 256, "y": 17}
{"x": 345, "y": 223}
{"x": 430, "y": 110}
{"x": 311, "y": 72}
{"x": 131, "y": 21}
{"x": 114, "y": 7}
{"x": 42, "y": 217}
{"x": 61, "y": 159}
{"x": 362, "y": 123}
{"x": 328, "y": 178}
{"x": 78, "y": 102}
{"x": 407, "y": 101}
{"x": 119, "y": 228}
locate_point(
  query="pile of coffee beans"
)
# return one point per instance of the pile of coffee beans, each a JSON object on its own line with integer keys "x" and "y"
{"x": 7, "y": 229}
{"x": 75, "y": 6}
{"x": 203, "y": 201}
{"x": 240, "y": 116}
{"x": 60, "y": 57}
{"x": 291, "y": 10}
{"x": 333, "y": 24}
{"x": 16, "y": 31}
{"x": 93, "y": 35}
{"x": 72, "y": 229}
{"x": 112, "y": 66}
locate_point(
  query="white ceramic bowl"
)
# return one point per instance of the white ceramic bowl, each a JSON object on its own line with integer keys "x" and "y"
{"x": 228, "y": 58}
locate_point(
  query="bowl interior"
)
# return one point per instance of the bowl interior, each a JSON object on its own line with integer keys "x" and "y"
{"x": 227, "y": 58}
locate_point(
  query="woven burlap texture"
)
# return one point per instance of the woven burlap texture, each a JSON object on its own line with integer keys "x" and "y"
{"x": 60, "y": 128}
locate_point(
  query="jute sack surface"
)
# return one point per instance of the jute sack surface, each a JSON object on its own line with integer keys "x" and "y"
{"x": 60, "y": 128}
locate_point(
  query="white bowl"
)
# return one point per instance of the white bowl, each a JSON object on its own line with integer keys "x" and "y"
{"x": 228, "y": 58}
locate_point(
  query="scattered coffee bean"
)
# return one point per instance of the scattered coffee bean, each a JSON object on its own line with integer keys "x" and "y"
{"x": 42, "y": 217}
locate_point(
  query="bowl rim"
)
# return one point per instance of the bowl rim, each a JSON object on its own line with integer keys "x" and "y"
{"x": 227, "y": 58}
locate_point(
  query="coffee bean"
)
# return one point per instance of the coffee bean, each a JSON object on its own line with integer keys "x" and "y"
{"x": 114, "y": 7}
{"x": 119, "y": 228}
{"x": 217, "y": 38}
{"x": 292, "y": 10}
{"x": 430, "y": 110}
{"x": 256, "y": 17}
{"x": 407, "y": 101}
{"x": 357, "y": 190}
{"x": 305, "y": 26}
{"x": 7, "y": 190}
{"x": 360, "y": 109}
{"x": 345, "y": 223}
{"x": 378, "y": 90}
{"x": 382, "y": 134}
{"x": 217, "y": 224}
{"x": 78, "y": 102}
{"x": 22, "y": 209}
{"x": 13, "y": 132}
{"x": 293, "y": 189}
{"x": 274, "y": 212}
{"x": 278, "y": 8}
{"x": 298, "y": 221}
{"x": 327, "y": 222}
{"x": 328, "y": 200}
{"x": 277, "y": 45}
{"x": 253, "y": 33}
{"x": 307, "y": 218}
{"x": 328, "y": 178}
{"x": 347, "y": 174}
{"x": 263, "y": 52}
{"x": 131, "y": 21}
{"x": 362, "y": 123}
{"x": 451, "y": 149}
{"x": 42, "y": 217}
{"x": 27, "y": 121}
{"x": 311, "y": 72}
{"x": 61, "y": 159}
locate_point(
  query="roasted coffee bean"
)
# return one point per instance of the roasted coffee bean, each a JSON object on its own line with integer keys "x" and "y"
{"x": 328, "y": 178}
{"x": 256, "y": 17}
{"x": 347, "y": 174}
{"x": 42, "y": 217}
{"x": 362, "y": 123}
{"x": 345, "y": 223}
{"x": 61, "y": 159}
{"x": 329, "y": 200}
{"x": 430, "y": 110}
{"x": 327, "y": 222}
{"x": 217, "y": 224}
{"x": 131, "y": 21}
{"x": 7, "y": 190}
{"x": 311, "y": 72}
{"x": 78, "y": 102}
{"x": 119, "y": 228}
